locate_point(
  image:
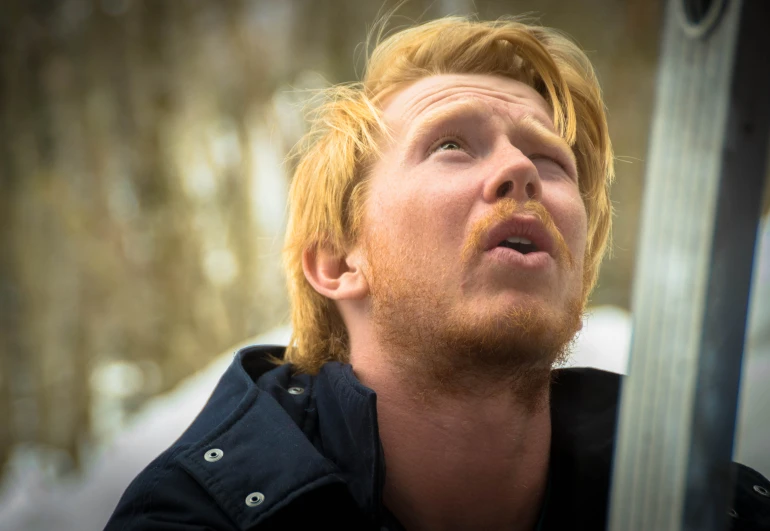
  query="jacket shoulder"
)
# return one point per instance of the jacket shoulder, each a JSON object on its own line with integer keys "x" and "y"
{"x": 163, "y": 497}
{"x": 168, "y": 493}
{"x": 751, "y": 503}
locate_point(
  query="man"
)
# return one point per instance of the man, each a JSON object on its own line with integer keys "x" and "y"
{"x": 448, "y": 219}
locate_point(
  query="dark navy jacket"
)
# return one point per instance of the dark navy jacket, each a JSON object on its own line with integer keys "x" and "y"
{"x": 273, "y": 450}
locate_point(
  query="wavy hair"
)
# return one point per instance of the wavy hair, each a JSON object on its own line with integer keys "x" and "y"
{"x": 328, "y": 189}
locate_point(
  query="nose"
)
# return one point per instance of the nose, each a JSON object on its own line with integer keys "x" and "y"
{"x": 512, "y": 175}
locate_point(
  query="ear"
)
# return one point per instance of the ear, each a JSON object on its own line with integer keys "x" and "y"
{"x": 333, "y": 276}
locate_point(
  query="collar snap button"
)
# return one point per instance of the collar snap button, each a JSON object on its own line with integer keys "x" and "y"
{"x": 762, "y": 491}
{"x": 213, "y": 455}
{"x": 254, "y": 499}
{"x": 296, "y": 390}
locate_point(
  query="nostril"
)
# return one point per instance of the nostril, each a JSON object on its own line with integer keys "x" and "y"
{"x": 530, "y": 190}
{"x": 504, "y": 189}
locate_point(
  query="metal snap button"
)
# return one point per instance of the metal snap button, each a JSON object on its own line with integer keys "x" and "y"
{"x": 761, "y": 490}
{"x": 254, "y": 499}
{"x": 732, "y": 513}
{"x": 213, "y": 455}
{"x": 296, "y": 390}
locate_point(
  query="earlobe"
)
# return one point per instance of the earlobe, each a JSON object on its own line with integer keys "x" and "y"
{"x": 333, "y": 276}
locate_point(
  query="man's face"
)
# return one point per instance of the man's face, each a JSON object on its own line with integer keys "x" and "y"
{"x": 475, "y": 229}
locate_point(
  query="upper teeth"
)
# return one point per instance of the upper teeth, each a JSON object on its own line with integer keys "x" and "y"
{"x": 516, "y": 239}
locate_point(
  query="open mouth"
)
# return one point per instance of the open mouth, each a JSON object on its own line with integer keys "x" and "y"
{"x": 522, "y": 245}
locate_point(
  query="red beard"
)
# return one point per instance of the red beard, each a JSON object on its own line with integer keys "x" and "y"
{"x": 445, "y": 349}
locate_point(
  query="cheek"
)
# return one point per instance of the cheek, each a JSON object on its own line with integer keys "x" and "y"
{"x": 401, "y": 223}
{"x": 569, "y": 214}
{"x": 424, "y": 218}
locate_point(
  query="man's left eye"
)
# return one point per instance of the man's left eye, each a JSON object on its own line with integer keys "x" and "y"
{"x": 533, "y": 158}
{"x": 448, "y": 145}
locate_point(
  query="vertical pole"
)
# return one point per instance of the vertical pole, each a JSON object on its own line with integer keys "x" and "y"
{"x": 700, "y": 217}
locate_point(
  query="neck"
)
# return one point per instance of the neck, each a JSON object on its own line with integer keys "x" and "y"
{"x": 476, "y": 460}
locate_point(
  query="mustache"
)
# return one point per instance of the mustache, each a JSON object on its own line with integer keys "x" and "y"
{"x": 502, "y": 211}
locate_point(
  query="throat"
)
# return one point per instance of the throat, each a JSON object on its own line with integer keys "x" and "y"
{"x": 496, "y": 496}
{"x": 487, "y": 473}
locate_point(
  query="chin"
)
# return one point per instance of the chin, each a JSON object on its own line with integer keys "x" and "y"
{"x": 529, "y": 321}
{"x": 517, "y": 302}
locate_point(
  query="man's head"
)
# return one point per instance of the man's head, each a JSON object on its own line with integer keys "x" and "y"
{"x": 463, "y": 138}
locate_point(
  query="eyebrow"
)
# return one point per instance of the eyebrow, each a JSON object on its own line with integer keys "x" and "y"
{"x": 532, "y": 127}
{"x": 470, "y": 109}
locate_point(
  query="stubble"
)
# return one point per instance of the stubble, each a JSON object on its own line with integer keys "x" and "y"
{"x": 437, "y": 348}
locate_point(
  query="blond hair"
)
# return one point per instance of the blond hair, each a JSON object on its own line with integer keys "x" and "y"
{"x": 328, "y": 190}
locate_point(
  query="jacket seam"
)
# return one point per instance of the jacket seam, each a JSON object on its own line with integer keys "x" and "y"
{"x": 354, "y": 384}
{"x": 305, "y": 415}
{"x": 296, "y": 493}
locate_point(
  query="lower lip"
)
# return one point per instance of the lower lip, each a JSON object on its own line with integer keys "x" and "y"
{"x": 536, "y": 260}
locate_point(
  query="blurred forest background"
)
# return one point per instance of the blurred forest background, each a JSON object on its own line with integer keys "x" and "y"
{"x": 143, "y": 183}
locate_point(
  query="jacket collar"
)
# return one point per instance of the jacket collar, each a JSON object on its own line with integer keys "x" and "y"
{"x": 347, "y": 414}
{"x": 283, "y": 435}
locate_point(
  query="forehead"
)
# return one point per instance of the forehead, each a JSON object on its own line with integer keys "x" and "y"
{"x": 431, "y": 93}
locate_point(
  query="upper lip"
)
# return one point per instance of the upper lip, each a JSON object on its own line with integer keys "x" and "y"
{"x": 520, "y": 226}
